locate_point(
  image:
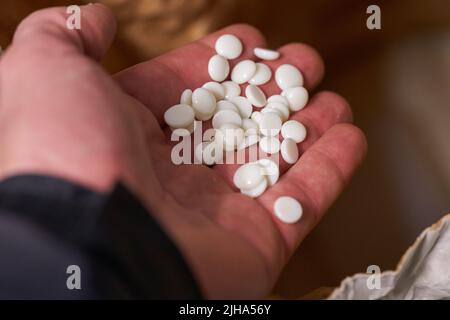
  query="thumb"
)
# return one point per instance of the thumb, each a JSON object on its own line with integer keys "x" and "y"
{"x": 49, "y": 28}
{"x": 58, "y": 108}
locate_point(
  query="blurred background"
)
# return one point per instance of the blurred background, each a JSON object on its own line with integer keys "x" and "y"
{"x": 397, "y": 80}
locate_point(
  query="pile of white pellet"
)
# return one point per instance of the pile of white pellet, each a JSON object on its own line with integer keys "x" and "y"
{"x": 243, "y": 121}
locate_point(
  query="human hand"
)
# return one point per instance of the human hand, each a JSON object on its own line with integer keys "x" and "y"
{"x": 61, "y": 114}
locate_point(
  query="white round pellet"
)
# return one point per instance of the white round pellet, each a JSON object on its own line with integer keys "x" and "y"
{"x": 289, "y": 151}
{"x": 226, "y": 116}
{"x": 288, "y": 76}
{"x": 249, "y": 140}
{"x": 202, "y": 117}
{"x": 262, "y": 74}
{"x": 266, "y": 54}
{"x": 255, "y": 95}
{"x": 218, "y": 68}
{"x": 256, "y": 116}
{"x": 297, "y": 97}
{"x": 250, "y": 125}
{"x": 270, "y": 124}
{"x": 270, "y": 170}
{"x": 203, "y": 102}
{"x": 288, "y": 209}
{"x": 248, "y": 176}
{"x": 284, "y": 110}
{"x": 226, "y": 105}
{"x": 276, "y": 111}
{"x": 179, "y": 116}
{"x": 243, "y": 71}
{"x": 186, "y": 97}
{"x": 256, "y": 191}
{"x": 232, "y": 89}
{"x": 294, "y": 130}
{"x": 269, "y": 145}
{"x": 216, "y": 89}
{"x": 243, "y": 105}
{"x": 232, "y": 136}
{"x": 228, "y": 46}
{"x": 278, "y": 98}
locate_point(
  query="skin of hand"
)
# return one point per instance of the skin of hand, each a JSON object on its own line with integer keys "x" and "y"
{"x": 61, "y": 114}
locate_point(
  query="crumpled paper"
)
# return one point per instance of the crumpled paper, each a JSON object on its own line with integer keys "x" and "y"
{"x": 423, "y": 273}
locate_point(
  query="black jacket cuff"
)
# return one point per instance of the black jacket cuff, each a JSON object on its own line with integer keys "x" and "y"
{"x": 121, "y": 250}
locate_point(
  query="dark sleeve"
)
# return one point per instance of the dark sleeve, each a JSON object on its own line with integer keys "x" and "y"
{"x": 55, "y": 235}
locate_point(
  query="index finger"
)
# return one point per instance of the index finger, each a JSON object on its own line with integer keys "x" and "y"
{"x": 317, "y": 178}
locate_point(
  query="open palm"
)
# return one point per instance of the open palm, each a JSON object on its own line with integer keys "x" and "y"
{"x": 234, "y": 245}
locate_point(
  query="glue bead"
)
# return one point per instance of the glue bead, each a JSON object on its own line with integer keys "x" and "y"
{"x": 218, "y": 68}
{"x": 186, "y": 97}
{"x": 216, "y": 89}
{"x": 255, "y": 95}
{"x": 243, "y": 105}
{"x": 270, "y": 124}
{"x": 266, "y": 54}
{"x": 248, "y": 176}
{"x": 243, "y": 71}
{"x": 294, "y": 130}
{"x": 256, "y": 191}
{"x": 228, "y": 46}
{"x": 289, "y": 151}
{"x": 284, "y": 110}
{"x": 269, "y": 145}
{"x": 287, "y": 209}
{"x": 270, "y": 170}
{"x": 288, "y": 76}
{"x": 297, "y": 97}
{"x": 203, "y": 102}
{"x": 262, "y": 74}
{"x": 232, "y": 89}
{"x": 226, "y": 116}
{"x": 278, "y": 98}
{"x": 226, "y": 105}
{"x": 179, "y": 116}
